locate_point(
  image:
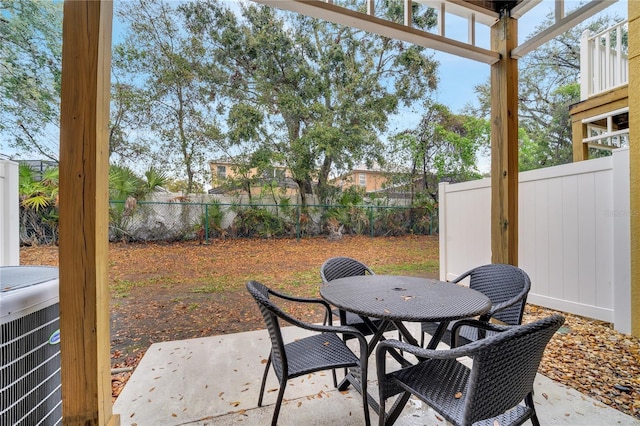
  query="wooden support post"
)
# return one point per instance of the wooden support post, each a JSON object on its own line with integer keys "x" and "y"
{"x": 634, "y": 161}
{"x": 579, "y": 132}
{"x": 504, "y": 144}
{"x": 84, "y": 162}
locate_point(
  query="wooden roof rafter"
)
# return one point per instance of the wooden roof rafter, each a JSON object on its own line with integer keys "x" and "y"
{"x": 368, "y": 22}
{"x": 482, "y": 11}
{"x": 563, "y": 23}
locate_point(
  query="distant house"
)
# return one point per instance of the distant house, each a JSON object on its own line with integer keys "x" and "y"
{"x": 221, "y": 172}
{"x": 226, "y": 178}
{"x": 371, "y": 180}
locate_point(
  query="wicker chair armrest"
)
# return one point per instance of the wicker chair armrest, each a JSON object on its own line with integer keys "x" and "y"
{"x": 327, "y": 308}
{"x": 341, "y": 329}
{"x": 298, "y": 299}
{"x": 386, "y": 386}
{"x": 507, "y": 303}
{"x": 480, "y": 324}
{"x": 462, "y": 277}
{"x": 422, "y": 353}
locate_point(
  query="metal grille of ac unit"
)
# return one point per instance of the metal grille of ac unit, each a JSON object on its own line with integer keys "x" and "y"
{"x": 30, "y": 390}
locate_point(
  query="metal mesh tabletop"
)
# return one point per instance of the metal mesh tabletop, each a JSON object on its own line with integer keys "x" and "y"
{"x": 400, "y": 298}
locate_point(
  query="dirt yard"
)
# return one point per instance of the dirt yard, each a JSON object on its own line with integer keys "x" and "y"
{"x": 176, "y": 291}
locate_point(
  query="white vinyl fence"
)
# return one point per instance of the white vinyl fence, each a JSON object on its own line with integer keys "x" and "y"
{"x": 573, "y": 237}
{"x": 9, "y": 222}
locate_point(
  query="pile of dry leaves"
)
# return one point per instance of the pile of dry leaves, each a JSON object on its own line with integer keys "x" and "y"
{"x": 591, "y": 357}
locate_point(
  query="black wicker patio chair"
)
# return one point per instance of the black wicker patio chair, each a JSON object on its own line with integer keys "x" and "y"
{"x": 324, "y": 350}
{"x": 341, "y": 267}
{"x": 506, "y": 286}
{"x": 497, "y": 389}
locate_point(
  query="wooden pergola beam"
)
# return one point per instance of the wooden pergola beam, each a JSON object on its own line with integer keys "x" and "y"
{"x": 84, "y": 165}
{"x": 341, "y": 15}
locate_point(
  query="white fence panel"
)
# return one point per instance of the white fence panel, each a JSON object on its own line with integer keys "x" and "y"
{"x": 568, "y": 220}
{"x": 621, "y": 218}
{"x": 465, "y": 227}
{"x": 9, "y": 222}
{"x": 572, "y": 238}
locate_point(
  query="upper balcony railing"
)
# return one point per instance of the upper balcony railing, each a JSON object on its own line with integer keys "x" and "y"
{"x": 604, "y": 61}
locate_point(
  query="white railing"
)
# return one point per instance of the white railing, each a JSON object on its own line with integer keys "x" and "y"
{"x": 604, "y": 61}
{"x": 573, "y": 235}
{"x": 606, "y": 137}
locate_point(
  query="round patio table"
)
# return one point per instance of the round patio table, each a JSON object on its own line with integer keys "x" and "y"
{"x": 399, "y": 298}
{"x": 395, "y": 299}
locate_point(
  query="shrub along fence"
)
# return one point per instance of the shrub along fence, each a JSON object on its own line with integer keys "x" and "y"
{"x": 179, "y": 220}
{"x": 173, "y": 221}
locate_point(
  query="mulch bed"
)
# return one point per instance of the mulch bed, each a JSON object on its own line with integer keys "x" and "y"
{"x": 591, "y": 357}
{"x": 166, "y": 292}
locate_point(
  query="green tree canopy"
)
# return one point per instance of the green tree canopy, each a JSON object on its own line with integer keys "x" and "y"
{"x": 164, "y": 69}
{"x": 315, "y": 93}
{"x": 443, "y": 146}
{"x": 30, "y": 72}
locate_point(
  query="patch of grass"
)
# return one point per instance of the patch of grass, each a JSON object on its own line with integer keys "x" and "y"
{"x": 298, "y": 283}
{"x": 192, "y": 307}
{"x": 305, "y": 278}
{"x": 213, "y": 285}
{"x": 431, "y": 267}
{"x": 210, "y": 288}
{"x": 122, "y": 288}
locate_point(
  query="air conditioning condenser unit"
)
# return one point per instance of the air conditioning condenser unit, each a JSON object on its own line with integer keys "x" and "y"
{"x": 30, "y": 390}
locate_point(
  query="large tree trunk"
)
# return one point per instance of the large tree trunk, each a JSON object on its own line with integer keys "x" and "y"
{"x": 305, "y": 188}
{"x": 323, "y": 178}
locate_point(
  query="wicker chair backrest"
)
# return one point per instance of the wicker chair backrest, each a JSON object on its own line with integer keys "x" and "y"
{"x": 340, "y": 267}
{"x": 505, "y": 367}
{"x": 500, "y": 283}
{"x": 268, "y": 309}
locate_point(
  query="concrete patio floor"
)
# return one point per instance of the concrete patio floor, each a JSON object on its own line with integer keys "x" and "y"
{"x": 215, "y": 381}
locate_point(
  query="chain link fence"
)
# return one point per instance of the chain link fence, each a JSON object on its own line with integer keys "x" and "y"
{"x": 173, "y": 221}
{"x": 179, "y": 220}
{"x": 38, "y": 227}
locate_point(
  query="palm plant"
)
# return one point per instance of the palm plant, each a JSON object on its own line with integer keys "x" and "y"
{"x": 125, "y": 189}
{"x": 38, "y": 204}
{"x": 349, "y": 213}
